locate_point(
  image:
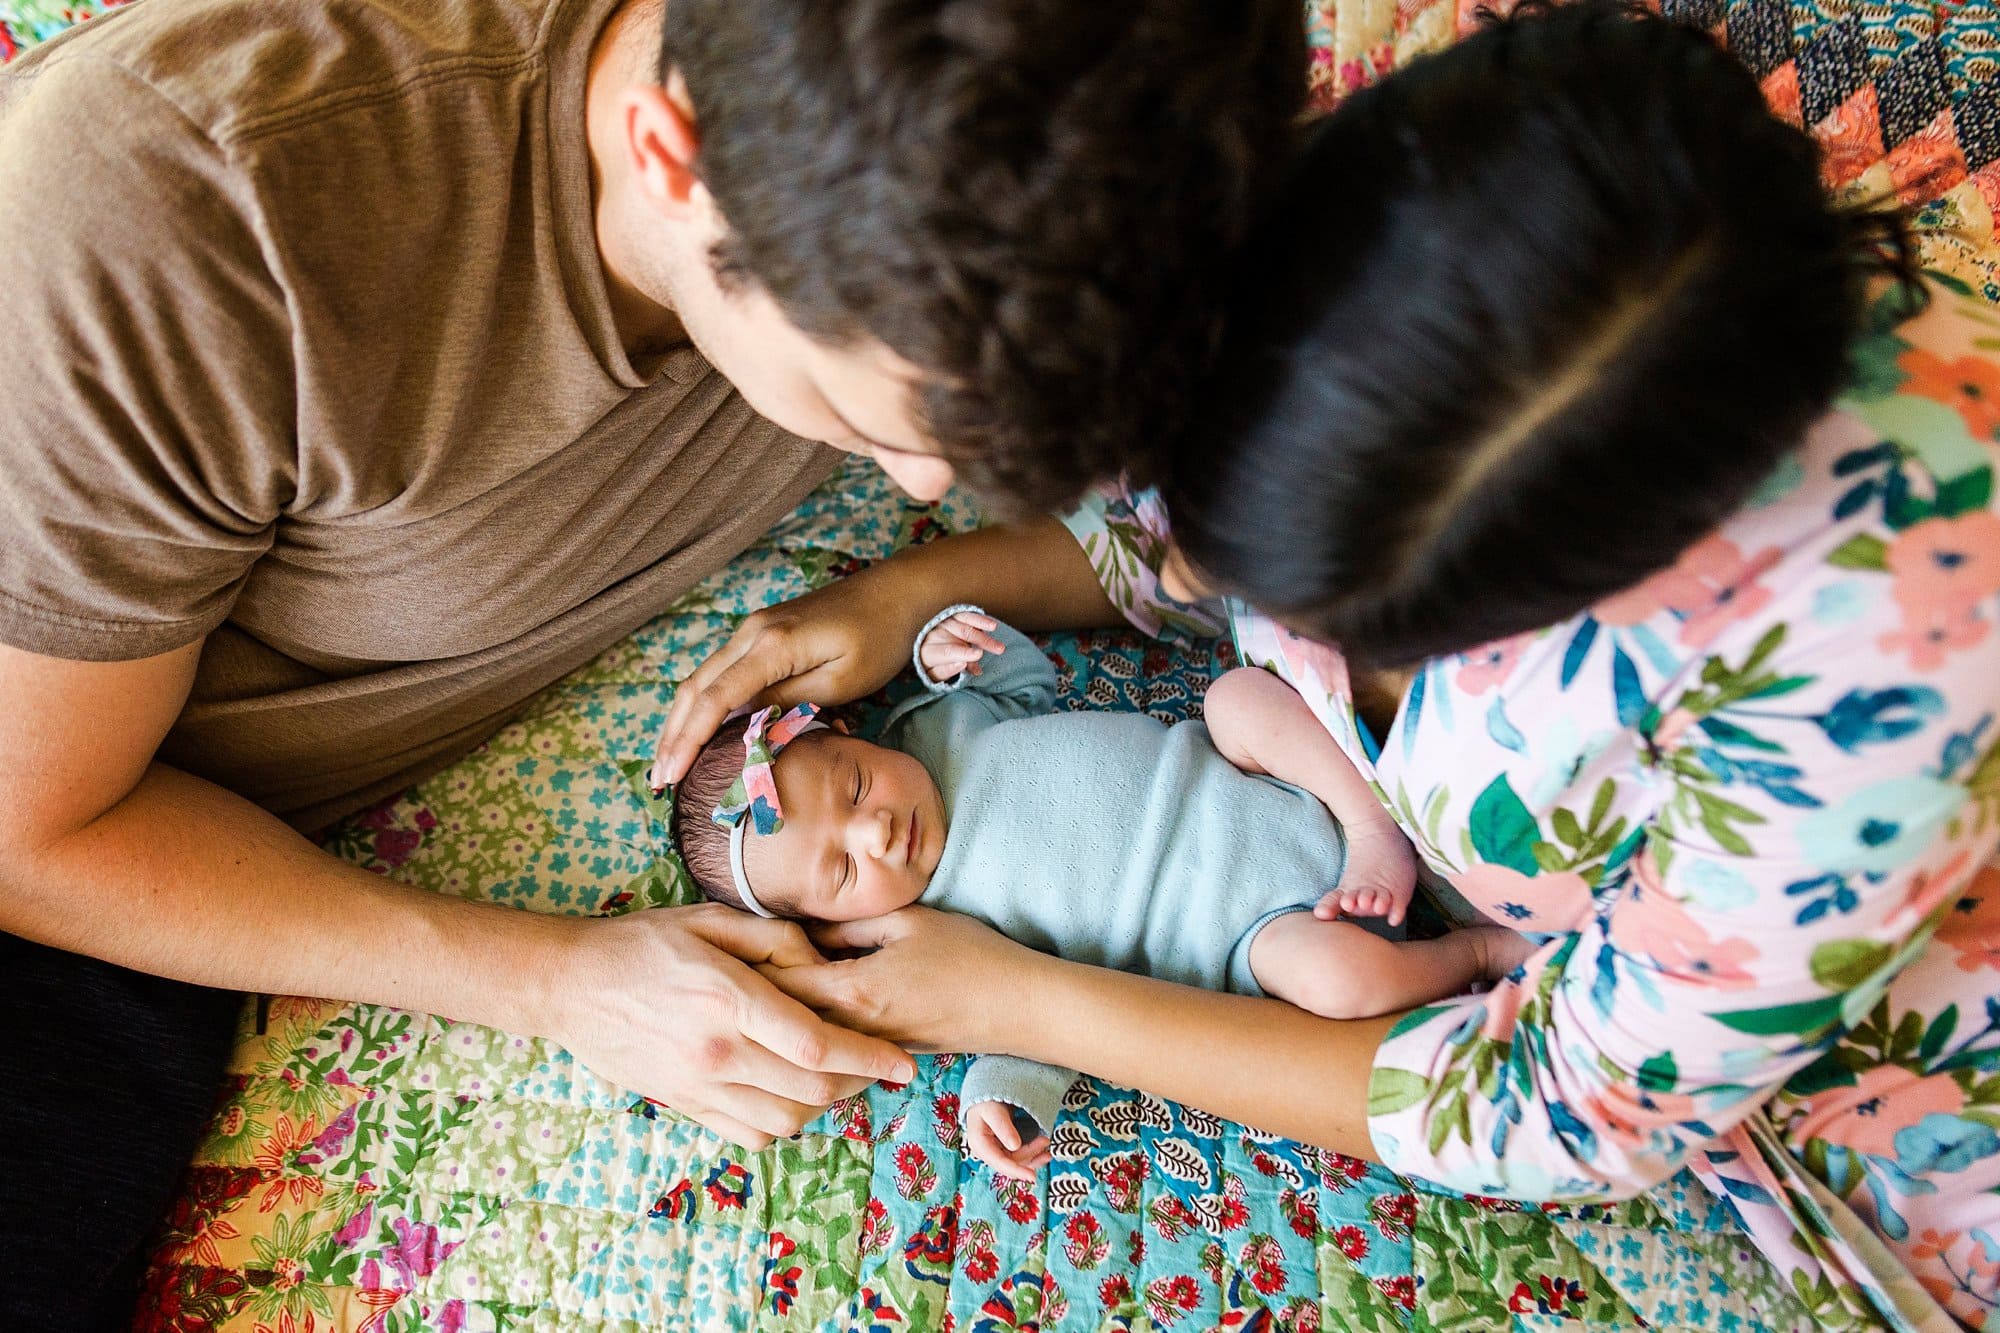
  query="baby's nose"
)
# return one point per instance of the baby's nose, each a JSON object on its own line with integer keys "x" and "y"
{"x": 883, "y": 832}
{"x": 874, "y": 834}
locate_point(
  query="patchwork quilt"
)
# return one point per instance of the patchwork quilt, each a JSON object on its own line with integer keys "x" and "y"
{"x": 375, "y": 1171}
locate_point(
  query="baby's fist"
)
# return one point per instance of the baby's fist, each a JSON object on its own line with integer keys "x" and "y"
{"x": 957, "y": 643}
{"x": 990, "y": 1136}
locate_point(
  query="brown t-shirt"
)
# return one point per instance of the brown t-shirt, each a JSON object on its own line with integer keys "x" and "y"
{"x": 308, "y": 350}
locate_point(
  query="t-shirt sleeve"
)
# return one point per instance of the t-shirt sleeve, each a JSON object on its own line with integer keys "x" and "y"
{"x": 1033, "y": 1088}
{"x": 146, "y": 416}
{"x": 1124, "y": 534}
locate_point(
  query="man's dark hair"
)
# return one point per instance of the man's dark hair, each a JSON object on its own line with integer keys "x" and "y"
{"x": 1032, "y": 201}
{"x": 703, "y": 843}
{"x": 1534, "y": 315}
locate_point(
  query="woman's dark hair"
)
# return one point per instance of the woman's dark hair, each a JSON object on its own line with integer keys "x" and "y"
{"x": 1035, "y": 202}
{"x": 703, "y": 843}
{"x": 1535, "y": 314}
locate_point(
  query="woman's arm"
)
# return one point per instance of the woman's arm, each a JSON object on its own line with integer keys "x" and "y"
{"x": 106, "y": 853}
{"x": 932, "y": 979}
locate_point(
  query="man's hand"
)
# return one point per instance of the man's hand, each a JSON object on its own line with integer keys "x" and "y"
{"x": 669, "y": 1004}
{"x": 829, "y": 646}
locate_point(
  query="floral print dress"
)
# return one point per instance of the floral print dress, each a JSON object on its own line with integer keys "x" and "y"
{"x": 1749, "y": 809}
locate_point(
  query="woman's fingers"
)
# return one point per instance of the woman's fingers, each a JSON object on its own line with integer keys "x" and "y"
{"x": 794, "y": 1033}
{"x": 781, "y": 1024}
{"x": 701, "y": 706}
{"x": 696, "y": 711}
{"x": 867, "y": 933}
{"x": 754, "y": 939}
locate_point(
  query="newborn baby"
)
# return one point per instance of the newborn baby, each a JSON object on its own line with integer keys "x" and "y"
{"x": 1194, "y": 853}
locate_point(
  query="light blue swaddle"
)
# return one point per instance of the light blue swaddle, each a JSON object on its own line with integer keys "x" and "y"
{"x": 1105, "y": 838}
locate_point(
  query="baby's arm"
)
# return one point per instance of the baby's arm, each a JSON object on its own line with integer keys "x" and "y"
{"x": 994, "y": 1088}
{"x": 964, "y": 651}
{"x": 1261, "y": 725}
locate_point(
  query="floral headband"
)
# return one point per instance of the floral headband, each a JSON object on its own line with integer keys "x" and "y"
{"x": 752, "y": 800}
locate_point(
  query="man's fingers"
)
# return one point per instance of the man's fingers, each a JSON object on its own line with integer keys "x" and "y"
{"x": 756, "y": 1067}
{"x": 762, "y": 1112}
{"x": 729, "y": 1128}
{"x": 756, "y": 939}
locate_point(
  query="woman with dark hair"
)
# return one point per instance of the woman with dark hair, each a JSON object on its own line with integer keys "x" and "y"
{"x": 1649, "y": 502}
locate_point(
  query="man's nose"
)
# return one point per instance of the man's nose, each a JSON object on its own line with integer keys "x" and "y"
{"x": 922, "y": 476}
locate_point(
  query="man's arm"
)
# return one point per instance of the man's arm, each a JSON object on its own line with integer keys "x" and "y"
{"x": 107, "y": 853}
{"x": 851, "y": 638}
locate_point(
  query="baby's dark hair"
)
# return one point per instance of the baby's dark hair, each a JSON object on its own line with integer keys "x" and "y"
{"x": 703, "y": 843}
{"x": 1537, "y": 313}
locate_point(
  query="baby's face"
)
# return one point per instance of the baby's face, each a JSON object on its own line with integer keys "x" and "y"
{"x": 863, "y": 832}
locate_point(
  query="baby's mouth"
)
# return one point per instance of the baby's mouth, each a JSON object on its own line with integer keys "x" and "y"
{"x": 910, "y": 847}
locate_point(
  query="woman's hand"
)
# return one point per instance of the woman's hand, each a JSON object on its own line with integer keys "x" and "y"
{"x": 932, "y": 981}
{"x": 851, "y": 637}
{"x": 669, "y": 1003}
{"x": 829, "y": 646}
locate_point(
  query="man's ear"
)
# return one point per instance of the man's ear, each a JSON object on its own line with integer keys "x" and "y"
{"x": 664, "y": 144}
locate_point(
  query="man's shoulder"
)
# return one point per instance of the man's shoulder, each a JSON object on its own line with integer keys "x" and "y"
{"x": 239, "y": 69}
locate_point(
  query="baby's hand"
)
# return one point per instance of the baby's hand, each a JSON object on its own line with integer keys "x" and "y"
{"x": 957, "y": 644}
{"x": 991, "y": 1137}
{"x": 1381, "y": 876}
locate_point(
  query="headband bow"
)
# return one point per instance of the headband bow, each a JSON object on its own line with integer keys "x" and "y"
{"x": 755, "y": 793}
{"x": 752, "y": 800}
